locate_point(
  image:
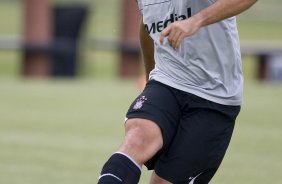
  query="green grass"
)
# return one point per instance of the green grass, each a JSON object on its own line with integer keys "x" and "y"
{"x": 58, "y": 131}
{"x": 9, "y": 65}
{"x": 11, "y": 18}
{"x": 62, "y": 131}
{"x": 260, "y": 30}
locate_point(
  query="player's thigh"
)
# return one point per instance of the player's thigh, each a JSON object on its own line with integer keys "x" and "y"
{"x": 158, "y": 104}
{"x": 143, "y": 139}
{"x": 199, "y": 145}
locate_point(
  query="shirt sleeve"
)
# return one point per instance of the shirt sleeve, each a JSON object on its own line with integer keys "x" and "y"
{"x": 140, "y": 5}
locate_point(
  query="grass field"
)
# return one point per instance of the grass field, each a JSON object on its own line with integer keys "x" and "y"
{"x": 62, "y": 131}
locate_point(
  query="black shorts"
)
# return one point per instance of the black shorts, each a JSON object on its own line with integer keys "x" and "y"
{"x": 196, "y": 132}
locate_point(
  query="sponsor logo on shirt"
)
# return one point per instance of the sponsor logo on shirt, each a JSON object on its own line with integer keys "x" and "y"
{"x": 161, "y": 25}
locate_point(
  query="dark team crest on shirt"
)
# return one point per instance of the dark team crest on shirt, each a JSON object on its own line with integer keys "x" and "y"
{"x": 139, "y": 103}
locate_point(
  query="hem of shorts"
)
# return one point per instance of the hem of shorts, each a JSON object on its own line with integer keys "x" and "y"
{"x": 146, "y": 118}
{"x": 199, "y": 93}
{"x": 164, "y": 177}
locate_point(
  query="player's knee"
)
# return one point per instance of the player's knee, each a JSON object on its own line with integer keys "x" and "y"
{"x": 142, "y": 140}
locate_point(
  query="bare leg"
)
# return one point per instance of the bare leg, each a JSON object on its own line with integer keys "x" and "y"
{"x": 143, "y": 139}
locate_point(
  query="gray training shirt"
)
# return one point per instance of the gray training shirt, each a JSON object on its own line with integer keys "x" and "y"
{"x": 207, "y": 64}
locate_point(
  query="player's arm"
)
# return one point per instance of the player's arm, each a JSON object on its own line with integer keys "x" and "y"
{"x": 147, "y": 47}
{"x": 218, "y": 11}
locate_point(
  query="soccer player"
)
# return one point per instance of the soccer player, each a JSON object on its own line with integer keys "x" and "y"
{"x": 181, "y": 124}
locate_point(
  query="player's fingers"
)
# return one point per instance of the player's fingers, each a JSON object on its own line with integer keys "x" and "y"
{"x": 171, "y": 37}
{"x": 164, "y": 33}
{"x": 179, "y": 40}
{"x": 174, "y": 39}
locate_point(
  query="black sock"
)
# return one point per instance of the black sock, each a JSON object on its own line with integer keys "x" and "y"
{"x": 120, "y": 169}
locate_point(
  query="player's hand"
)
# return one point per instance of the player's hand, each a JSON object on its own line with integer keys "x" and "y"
{"x": 179, "y": 30}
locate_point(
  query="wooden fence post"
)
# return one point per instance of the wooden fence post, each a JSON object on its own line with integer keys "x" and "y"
{"x": 38, "y": 22}
{"x": 130, "y": 50}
